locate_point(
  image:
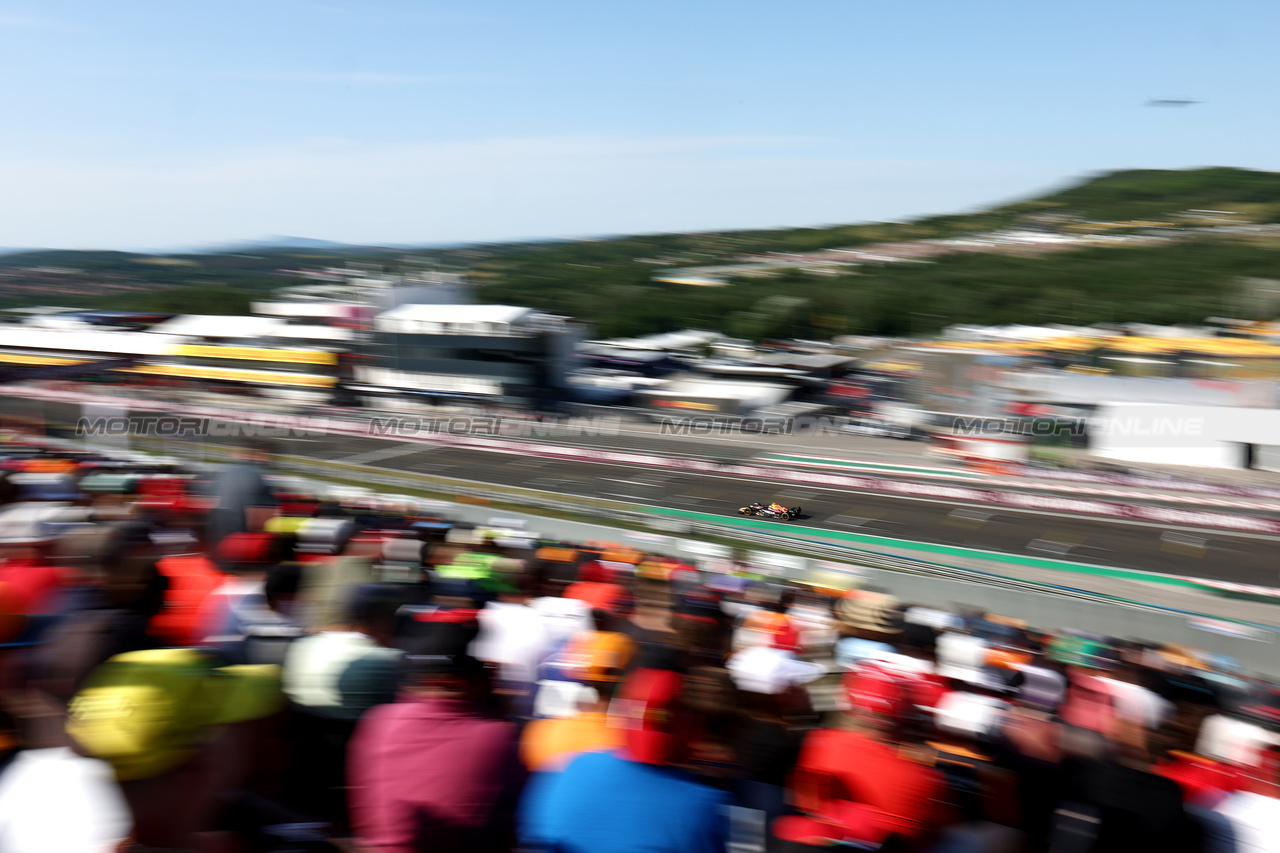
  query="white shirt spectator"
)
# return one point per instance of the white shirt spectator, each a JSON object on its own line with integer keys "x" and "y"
{"x": 1256, "y": 821}
{"x": 961, "y": 656}
{"x": 969, "y": 714}
{"x": 761, "y": 669}
{"x": 815, "y": 624}
{"x": 54, "y": 801}
{"x": 938, "y": 620}
{"x": 340, "y": 674}
{"x": 562, "y": 617}
{"x": 1137, "y": 704}
{"x": 1235, "y": 741}
{"x": 514, "y": 637}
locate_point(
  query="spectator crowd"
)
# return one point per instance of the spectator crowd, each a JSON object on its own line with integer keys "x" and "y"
{"x": 196, "y": 662}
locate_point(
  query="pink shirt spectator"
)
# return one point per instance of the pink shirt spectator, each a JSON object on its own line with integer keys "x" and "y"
{"x": 438, "y": 770}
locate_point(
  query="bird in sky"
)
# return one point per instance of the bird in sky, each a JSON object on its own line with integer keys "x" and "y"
{"x": 1171, "y": 102}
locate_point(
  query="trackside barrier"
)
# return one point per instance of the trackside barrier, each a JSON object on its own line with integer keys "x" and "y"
{"x": 286, "y": 423}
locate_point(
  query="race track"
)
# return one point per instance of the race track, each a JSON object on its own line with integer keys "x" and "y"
{"x": 1167, "y": 549}
{"x": 1212, "y": 554}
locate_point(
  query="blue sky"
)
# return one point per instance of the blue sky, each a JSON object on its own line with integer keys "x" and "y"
{"x": 136, "y": 124}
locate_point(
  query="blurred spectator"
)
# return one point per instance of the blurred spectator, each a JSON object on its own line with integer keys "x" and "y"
{"x": 1233, "y": 737}
{"x": 336, "y": 559}
{"x": 596, "y": 587}
{"x": 332, "y": 678}
{"x": 1134, "y": 702}
{"x": 436, "y": 770}
{"x": 754, "y": 597}
{"x": 174, "y": 725}
{"x": 28, "y": 533}
{"x": 633, "y": 799}
{"x": 9, "y": 490}
{"x": 869, "y": 622}
{"x": 123, "y": 591}
{"x": 238, "y": 618}
{"x": 702, "y": 631}
{"x": 772, "y": 669}
{"x": 1253, "y": 811}
{"x": 775, "y": 709}
{"x": 854, "y": 783}
{"x": 962, "y": 655}
{"x": 1040, "y": 684}
{"x": 810, "y": 614}
{"x": 190, "y": 578}
{"x": 268, "y": 640}
{"x": 1132, "y": 806}
{"x": 561, "y": 617}
{"x": 349, "y": 666}
{"x": 600, "y": 658}
{"x": 513, "y": 635}
{"x": 54, "y": 801}
{"x": 240, "y": 488}
{"x": 650, "y": 623}
{"x": 759, "y": 627}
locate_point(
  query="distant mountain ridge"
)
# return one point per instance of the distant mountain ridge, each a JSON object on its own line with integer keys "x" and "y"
{"x": 275, "y": 243}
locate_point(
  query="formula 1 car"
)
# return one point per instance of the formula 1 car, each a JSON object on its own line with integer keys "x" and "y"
{"x": 774, "y": 511}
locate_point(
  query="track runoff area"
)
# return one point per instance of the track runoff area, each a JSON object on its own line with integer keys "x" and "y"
{"x": 1151, "y": 546}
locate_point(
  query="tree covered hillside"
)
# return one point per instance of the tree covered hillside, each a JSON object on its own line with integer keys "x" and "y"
{"x": 610, "y": 284}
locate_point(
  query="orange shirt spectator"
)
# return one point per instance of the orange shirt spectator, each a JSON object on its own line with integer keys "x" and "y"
{"x": 547, "y": 745}
{"x": 1005, "y": 658}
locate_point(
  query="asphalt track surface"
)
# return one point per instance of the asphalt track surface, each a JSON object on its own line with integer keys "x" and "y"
{"x": 1165, "y": 549}
{"x": 1212, "y": 554}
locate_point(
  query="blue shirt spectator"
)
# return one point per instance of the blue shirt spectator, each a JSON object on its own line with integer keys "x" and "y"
{"x": 605, "y": 803}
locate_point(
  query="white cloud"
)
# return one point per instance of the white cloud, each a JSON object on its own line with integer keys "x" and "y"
{"x": 485, "y": 189}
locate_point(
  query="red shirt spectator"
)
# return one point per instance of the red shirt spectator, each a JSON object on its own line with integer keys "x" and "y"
{"x": 192, "y": 577}
{"x": 873, "y": 773}
{"x": 855, "y": 783}
{"x": 600, "y": 596}
{"x": 32, "y": 585}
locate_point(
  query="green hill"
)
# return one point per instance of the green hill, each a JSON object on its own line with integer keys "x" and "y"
{"x": 609, "y": 282}
{"x": 1155, "y": 194}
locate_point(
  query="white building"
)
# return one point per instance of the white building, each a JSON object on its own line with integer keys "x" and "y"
{"x": 496, "y": 354}
{"x": 1204, "y": 436}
